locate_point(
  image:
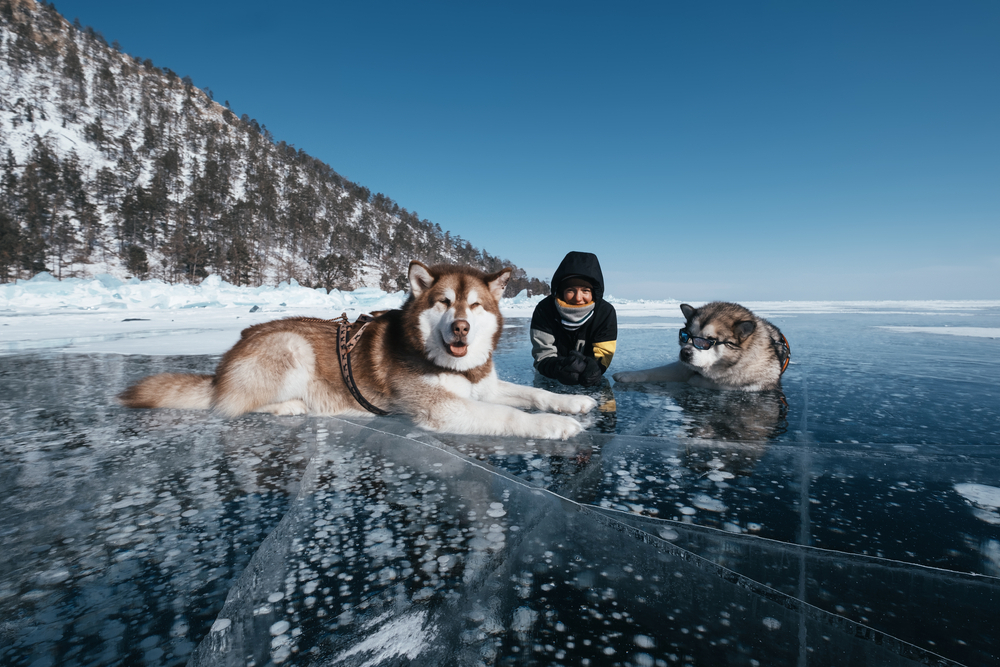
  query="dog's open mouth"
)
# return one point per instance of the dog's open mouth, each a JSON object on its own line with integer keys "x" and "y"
{"x": 458, "y": 349}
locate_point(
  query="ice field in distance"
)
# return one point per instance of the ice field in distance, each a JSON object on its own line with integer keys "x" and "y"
{"x": 83, "y": 315}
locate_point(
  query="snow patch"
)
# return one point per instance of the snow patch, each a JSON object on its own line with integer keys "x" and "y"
{"x": 980, "y": 494}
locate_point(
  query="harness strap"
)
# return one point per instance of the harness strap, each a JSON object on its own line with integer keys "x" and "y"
{"x": 788, "y": 353}
{"x": 344, "y": 348}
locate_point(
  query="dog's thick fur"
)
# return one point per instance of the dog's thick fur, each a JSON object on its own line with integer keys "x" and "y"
{"x": 431, "y": 360}
{"x": 748, "y": 356}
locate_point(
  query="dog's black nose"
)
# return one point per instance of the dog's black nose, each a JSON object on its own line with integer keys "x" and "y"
{"x": 687, "y": 354}
{"x": 460, "y": 328}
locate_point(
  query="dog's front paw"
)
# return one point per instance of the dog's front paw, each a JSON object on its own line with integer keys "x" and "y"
{"x": 575, "y": 405}
{"x": 555, "y": 427}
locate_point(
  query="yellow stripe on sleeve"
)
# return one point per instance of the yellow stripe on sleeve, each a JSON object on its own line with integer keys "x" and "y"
{"x": 604, "y": 351}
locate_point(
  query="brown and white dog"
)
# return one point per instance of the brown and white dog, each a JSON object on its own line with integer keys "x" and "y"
{"x": 723, "y": 346}
{"x": 432, "y": 360}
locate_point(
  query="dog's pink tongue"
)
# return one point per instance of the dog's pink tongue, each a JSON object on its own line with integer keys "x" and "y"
{"x": 458, "y": 350}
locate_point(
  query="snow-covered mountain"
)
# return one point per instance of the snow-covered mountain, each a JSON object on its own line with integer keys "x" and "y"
{"x": 111, "y": 165}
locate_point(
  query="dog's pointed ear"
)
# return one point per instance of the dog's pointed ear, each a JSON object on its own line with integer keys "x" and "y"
{"x": 744, "y": 329}
{"x": 688, "y": 311}
{"x": 497, "y": 282}
{"x": 420, "y": 278}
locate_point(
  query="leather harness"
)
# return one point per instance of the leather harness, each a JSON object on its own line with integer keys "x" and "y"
{"x": 788, "y": 353}
{"x": 344, "y": 348}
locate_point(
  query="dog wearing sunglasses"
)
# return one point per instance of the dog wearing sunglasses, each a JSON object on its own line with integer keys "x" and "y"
{"x": 723, "y": 346}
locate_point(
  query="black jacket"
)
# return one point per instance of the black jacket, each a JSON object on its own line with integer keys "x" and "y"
{"x": 557, "y": 350}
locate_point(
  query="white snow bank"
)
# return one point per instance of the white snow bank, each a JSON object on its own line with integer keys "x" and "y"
{"x": 107, "y": 315}
{"x": 45, "y": 293}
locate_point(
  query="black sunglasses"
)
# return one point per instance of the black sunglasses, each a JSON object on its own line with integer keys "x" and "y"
{"x": 700, "y": 343}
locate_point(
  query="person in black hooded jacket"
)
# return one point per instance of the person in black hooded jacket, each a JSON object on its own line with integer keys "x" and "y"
{"x": 574, "y": 330}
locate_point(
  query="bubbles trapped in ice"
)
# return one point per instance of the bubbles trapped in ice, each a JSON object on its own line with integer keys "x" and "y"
{"x": 668, "y": 534}
{"x": 771, "y": 623}
{"x": 279, "y": 628}
{"x": 707, "y": 503}
{"x": 496, "y": 510}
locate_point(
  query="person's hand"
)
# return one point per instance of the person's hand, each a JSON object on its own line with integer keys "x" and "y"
{"x": 574, "y": 362}
{"x": 569, "y": 368}
{"x": 591, "y": 375}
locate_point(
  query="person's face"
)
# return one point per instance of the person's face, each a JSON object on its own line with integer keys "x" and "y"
{"x": 577, "y": 296}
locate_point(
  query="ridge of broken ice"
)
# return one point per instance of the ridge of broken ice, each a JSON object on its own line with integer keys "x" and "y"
{"x": 105, "y": 292}
{"x": 44, "y": 293}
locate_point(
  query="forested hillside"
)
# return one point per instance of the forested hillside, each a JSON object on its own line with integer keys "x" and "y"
{"x": 112, "y": 164}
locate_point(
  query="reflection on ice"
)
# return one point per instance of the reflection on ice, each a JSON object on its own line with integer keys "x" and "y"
{"x": 689, "y": 412}
{"x": 463, "y": 566}
{"x": 684, "y": 527}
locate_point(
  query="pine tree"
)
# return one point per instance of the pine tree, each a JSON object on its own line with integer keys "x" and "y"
{"x": 137, "y": 261}
{"x": 73, "y": 72}
{"x": 10, "y": 247}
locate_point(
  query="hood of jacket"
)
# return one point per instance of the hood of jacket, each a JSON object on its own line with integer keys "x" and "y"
{"x": 583, "y": 264}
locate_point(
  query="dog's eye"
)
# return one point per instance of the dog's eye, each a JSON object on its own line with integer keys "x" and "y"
{"x": 446, "y": 302}
{"x": 475, "y": 305}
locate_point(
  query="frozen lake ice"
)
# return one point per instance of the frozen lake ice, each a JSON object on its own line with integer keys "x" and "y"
{"x": 853, "y": 520}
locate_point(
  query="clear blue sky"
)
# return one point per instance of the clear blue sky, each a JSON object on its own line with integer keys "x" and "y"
{"x": 704, "y": 150}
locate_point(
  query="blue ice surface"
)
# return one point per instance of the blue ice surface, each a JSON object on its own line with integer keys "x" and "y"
{"x": 851, "y": 520}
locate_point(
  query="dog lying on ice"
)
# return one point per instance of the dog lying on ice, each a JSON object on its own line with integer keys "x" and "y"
{"x": 432, "y": 360}
{"x": 723, "y": 346}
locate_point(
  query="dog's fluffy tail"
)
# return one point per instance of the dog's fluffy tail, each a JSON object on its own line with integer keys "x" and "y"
{"x": 170, "y": 390}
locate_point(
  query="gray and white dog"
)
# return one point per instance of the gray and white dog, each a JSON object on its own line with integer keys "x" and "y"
{"x": 723, "y": 346}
